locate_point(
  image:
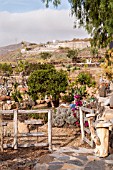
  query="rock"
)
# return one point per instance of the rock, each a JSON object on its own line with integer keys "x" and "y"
{"x": 109, "y": 162}
{"x": 95, "y": 165}
{"x": 41, "y": 166}
{"x": 55, "y": 165}
{"x": 70, "y": 166}
{"x": 75, "y": 162}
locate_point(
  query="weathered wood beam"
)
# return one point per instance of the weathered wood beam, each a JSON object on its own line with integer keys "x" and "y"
{"x": 5, "y": 146}
{"x": 33, "y": 111}
{"x": 85, "y": 109}
{"x": 39, "y": 134}
{"x": 15, "y": 123}
{"x": 1, "y": 133}
{"x": 82, "y": 124}
{"x": 50, "y": 129}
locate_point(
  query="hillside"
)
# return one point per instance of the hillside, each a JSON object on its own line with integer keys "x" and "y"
{"x": 30, "y": 51}
{"x": 7, "y": 49}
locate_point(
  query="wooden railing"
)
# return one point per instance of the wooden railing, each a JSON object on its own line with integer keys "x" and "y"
{"x": 15, "y": 127}
{"x": 85, "y": 130}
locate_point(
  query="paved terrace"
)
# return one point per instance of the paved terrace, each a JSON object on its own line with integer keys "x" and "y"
{"x": 69, "y": 158}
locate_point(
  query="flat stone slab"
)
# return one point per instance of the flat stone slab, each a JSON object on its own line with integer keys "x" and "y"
{"x": 75, "y": 150}
{"x": 71, "y": 167}
{"x": 75, "y": 162}
{"x": 95, "y": 165}
{"x": 63, "y": 158}
{"x": 55, "y": 165}
{"x": 82, "y": 157}
{"x": 109, "y": 162}
{"x": 41, "y": 167}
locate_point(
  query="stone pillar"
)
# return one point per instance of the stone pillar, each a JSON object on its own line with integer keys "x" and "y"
{"x": 102, "y": 130}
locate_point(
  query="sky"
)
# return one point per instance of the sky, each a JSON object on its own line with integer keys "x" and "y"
{"x": 31, "y": 21}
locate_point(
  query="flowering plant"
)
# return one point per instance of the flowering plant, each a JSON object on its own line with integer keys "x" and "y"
{"x": 77, "y": 96}
{"x": 75, "y": 110}
{"x": 78, "y": 103}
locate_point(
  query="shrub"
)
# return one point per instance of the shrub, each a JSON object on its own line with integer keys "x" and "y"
{"x": 48, "y": 81}
{"x": 45, "y": 55}
{"x": 85, "y": 78}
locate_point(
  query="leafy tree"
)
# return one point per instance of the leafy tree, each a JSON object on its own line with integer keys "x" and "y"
{"x": 95, "y": 16}
{"x": 48, "y": 81}
{"x": 72, "y": 54}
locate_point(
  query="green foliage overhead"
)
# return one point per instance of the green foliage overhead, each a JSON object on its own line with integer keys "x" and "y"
{"x": 55, "y": 2}
{"x": 95, "y": 16}
{"x": 48, "y": 81}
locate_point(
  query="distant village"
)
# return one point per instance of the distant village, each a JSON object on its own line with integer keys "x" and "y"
{"x": 55, "y": 45}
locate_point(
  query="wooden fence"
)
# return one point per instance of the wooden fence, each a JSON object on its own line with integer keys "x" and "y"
{"x": 15, "y": 113}
{"x": 85, "y": 130}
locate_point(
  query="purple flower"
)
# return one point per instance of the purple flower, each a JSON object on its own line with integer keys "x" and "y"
{"x": 86, "y": 124}
{"x": 78, "y": 103}
{"x": 73, "y": 109}
{"x": 77, "y": 123}
{"x": 77, "y": 96}
{"x": 74, "y": 114}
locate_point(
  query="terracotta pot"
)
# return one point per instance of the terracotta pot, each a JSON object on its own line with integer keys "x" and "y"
{"x": 4, "y": 98}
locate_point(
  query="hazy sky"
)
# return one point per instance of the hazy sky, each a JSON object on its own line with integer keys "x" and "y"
{"x": 29, "y": 20}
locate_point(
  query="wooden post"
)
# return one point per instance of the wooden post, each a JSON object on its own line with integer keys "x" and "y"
{"x": 1, "y": 132}
{"x": 37, "y": 132}
{"x": 15, "y": 121}
{"x": 81, "y": 124}
{"x": 50, "y": 129}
